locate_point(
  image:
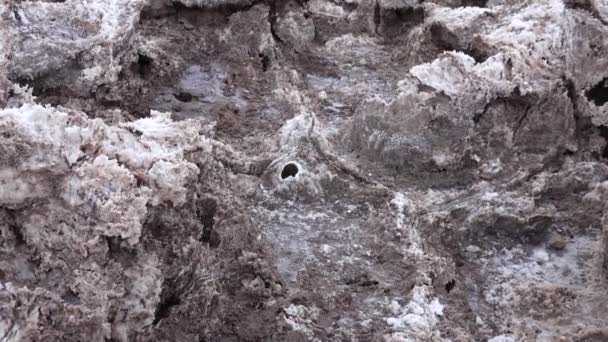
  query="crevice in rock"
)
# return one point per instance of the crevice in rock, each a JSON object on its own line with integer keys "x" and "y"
{"x": 376, "y": 17}
{"x": 479, "y": 115}
{"x": 603, "y": 131}
{"x": 71, "y": 297}
{"x": 168, "y": 300}
{"x": 273, "y": 16}
{"x": 122, "y": 254}
{"x": 520, "y": 121}
{"x": 362, "y": 280}
{"x": 598, "y": 94}
{"x": 573, "y": 97}
{"x": 184, "y": 96}
{"x": 51, "y": 1}
{"x": 20, "y": 240}
{"x": 206, "y": 211}
{"x": 265, "y": 61}
{"x": 478, "y": 55}
{"x": 143, "y": 66}
{"x": 224, "y": 10}
{"x": 474, "y": 3}
{"x": 582, "y": 123}
{"x": 584, "y": 5}
{"x": 15, "y": 229}
{"x": 394, "y": 23}
{"x": 450, "y": 285}
{"x": 445, "y": 40}
{"x": 17, "y": 16}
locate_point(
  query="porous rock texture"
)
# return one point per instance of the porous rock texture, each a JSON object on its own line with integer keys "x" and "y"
{"x": 321, "y": 170}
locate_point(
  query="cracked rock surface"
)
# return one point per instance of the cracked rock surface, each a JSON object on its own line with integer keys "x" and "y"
{"x": 321, "y": 170}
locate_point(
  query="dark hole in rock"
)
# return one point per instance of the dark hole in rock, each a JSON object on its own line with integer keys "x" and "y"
{"x": 446, "y": 40}
{"x": 118, "y": 252}
{"x": 143, "y": 65}
{"x": 478, "y": 55}
{"x": 183, "y": 96}
{"x": 19, "y": 238}
{"x": 164, "y": 307}
{"x": 599, "y": 93}
{"x": 449, "y": 286}
{"x": 410, "y": 14}
{"x": 207, "y": 210}
{"x": 477, "y": 117}
{"x": 265, "y": 62}
{"x": 443, "y": 38}
{"x": 393, "y": 23}
{"x": 71, "y": 297}
{"x": 367, "y": 283}
{"x": 156, "y": 228}
{"x": 362, "y": 280}
{"x": 579, "y": 5}
{"x": 289, "y": 170}
{"x": 604, "y": 134}
{"x": 475, "y": 3}
{"x": 17, "y": 16}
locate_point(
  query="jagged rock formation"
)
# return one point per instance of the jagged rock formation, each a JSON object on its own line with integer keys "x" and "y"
{"x": 323, "y": 170}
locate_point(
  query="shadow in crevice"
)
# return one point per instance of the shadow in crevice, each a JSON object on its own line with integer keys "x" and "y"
{"x": 168, "y": 300}
{"x": 474, "y": 3}
{"x": 392, "y": 24}
{"x": 598, "y": 94}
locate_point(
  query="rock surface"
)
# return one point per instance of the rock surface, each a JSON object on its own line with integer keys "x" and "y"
{"x": 322, "y": 170}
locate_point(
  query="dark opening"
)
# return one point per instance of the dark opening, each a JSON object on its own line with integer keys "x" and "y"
{"x": 599, "y": 93}
{"x": 143, "y": 65}
{"x": 477, "y": 117}
{"x": 408, "y": 14}
{"x": 604, "y": 134}
{"x": 478, "y": 55}
{"x": 394, "y": 23}
{"x": 71, "y": 297}
{"x": 183, "y": 96}
{"x": 122, "y": 254}
{"x": 367, "y": 283}
{"x": 584, "y": 5}
{"x": 17, "y": 16}
{"x": 207, "y": 210}
{"x": 475, "y": 3}
{"x": 362, "y": 280}
{"x": 265, "y": 60}
{"x": 19, "y": 239}
{"x": 446, "y": 40}
{"x": 164, "y": 307}
{"x": 450, "y": 285}
{"x": 289, "y": 170}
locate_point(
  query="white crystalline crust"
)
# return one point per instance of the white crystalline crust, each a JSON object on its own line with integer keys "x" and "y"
{"x": 96, "y": 181}
{"x": 44, "y": 40}
{"x": 416, "y": 320}
{"x": 109, "y": 174}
